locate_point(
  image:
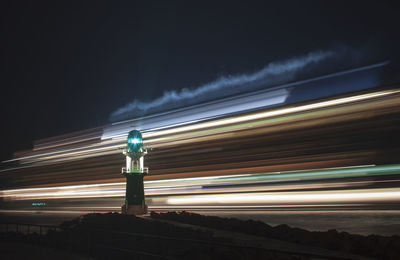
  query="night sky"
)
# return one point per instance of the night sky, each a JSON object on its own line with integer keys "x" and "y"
{"x": 67, "y": 67}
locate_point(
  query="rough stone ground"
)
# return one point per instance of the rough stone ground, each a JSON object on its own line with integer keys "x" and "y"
{"x": 18, "y": 250}
{"x": 183, "y": 235}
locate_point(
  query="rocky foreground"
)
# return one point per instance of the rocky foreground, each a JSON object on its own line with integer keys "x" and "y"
{"x": 184, "y": 235}
{"x": 374, "y": 246}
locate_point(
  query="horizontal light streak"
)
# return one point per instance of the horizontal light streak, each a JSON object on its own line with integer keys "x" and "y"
{"x": 58, "y": 211}
{"x": 343, "y": 196}
{"x": 198, "y": 113}
{"x": 255, "y": 207}
{"x": 273, "y": 113}
{"x": 153, "y": 138}
{"x": 212, "y": 184}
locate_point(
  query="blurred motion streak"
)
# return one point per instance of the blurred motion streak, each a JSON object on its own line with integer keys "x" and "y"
{"x": 339, "y": 151}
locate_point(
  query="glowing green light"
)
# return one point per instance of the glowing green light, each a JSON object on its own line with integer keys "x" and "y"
{"x": 38, "y": 204}
{"x": 135, "y": 142}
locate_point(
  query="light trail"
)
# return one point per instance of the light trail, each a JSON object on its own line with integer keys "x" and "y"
{"x": 198, "y": 113}
{"x": 295, "y": 198}
{"x": 225, "y": 185}
{"x": 273, "y": 113}
{"x": 204, "y": 130}
{"x": 245, "y": 152}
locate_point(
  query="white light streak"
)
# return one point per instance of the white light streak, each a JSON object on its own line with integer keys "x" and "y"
{"x": 346, "y": 196}
{"x": 272, "y": 113}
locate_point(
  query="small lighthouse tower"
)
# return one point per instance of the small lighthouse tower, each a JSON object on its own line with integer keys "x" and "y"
{"x": 134, "y": 173}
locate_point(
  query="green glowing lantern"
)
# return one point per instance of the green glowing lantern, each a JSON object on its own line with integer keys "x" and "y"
{"x": 134, "y": 143}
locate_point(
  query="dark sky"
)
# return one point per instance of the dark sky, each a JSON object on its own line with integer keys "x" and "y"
{"x": 67, "y": 66}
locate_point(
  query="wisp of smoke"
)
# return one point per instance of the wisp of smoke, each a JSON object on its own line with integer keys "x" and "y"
{"x": 273, "y": 73}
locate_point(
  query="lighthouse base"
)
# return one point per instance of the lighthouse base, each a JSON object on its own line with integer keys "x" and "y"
{"x": 134, "y": 209}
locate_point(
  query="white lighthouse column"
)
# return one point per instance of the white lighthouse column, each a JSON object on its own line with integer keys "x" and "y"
{"x": 128, "y": 164}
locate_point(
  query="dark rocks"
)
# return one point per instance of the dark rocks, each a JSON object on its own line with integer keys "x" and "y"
{"x": 373, "y": 246}
{"x": 116, "y": 236}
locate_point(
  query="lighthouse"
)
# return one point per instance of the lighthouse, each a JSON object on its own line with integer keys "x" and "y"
{"x": 134, "y": 173}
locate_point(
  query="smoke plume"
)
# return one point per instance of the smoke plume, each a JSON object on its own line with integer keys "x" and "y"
{"x": 272, "y": 74}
